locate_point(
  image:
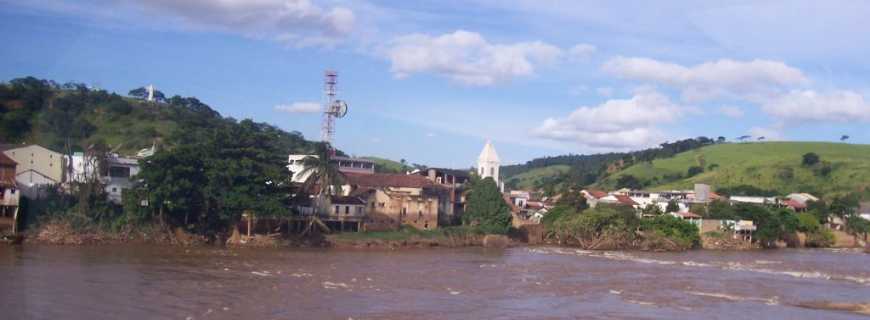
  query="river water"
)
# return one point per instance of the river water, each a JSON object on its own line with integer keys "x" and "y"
{"x": 154, "y": 282}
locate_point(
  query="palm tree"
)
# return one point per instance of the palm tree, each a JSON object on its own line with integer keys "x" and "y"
{"x": 324, "y": 174}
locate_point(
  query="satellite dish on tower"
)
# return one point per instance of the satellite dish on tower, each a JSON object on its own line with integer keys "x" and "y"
{"x": 339, "y": 108}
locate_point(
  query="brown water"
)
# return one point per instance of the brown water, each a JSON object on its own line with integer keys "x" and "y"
{"x": 141, "y": 282}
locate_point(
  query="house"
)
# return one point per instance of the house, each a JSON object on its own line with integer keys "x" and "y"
{"x": 115, "y": 172}
{"x": 802, "y": 198}
{"x": 454, "y": 181}
{"x": 753, "y": 200}
{"x": 37, "y": 167}
{"x": 688, "y": 216}
{"x": 9, "y": 195}
{"x": 520, "y": 197}
{"x": 594, "y": 196}
{"x": 794, "y": 205}
{"x": 296, "y": 165}
{"x": 394, "y": 200}
{"x": 345, "y": 213}
{"x": 739, "y": 229}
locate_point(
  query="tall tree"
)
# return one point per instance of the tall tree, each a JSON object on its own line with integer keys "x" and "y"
{"x": 487, "y": 208}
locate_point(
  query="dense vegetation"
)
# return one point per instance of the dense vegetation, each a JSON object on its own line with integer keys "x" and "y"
{"x": 486, "y": 208}
{"x": 208, "y": 169}
{"x": 618, "y": 227}
{"x": 73, "y": 117}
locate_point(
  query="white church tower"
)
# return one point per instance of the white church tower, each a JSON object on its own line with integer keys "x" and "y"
{"x": 488, "y": 163}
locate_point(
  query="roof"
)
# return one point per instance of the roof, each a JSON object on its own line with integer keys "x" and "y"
{"x": 626, "y": 200}
{"x": 794, "y": 204}
{"x": 687, "y": 215}
{"x": 452, "y": 172}
{"x": 598, "y": 194}
{"x": 488, "y": 154}
{"x": 383, "y": 180}
{"x": 348, "y": 200}
{"x": 6, "y": 160}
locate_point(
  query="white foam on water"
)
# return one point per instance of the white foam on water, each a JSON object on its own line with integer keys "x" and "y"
{"x": 262, "y": 274}
{"x": 768, "y": 301}
{"x": 335, "y": 285}
{"x": 732, "y": 266}
{"x": 616, "y": 292}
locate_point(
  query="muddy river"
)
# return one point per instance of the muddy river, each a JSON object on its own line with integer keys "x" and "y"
{"x": 147, "y": 282}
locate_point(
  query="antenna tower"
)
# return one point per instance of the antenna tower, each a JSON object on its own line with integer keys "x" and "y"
{"x": 333, "y": 108}
{"x": 327, "y": 130}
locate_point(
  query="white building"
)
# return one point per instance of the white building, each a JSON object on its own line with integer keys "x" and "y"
{"x": 488, "y": 163}
{"x": 296, "y": 164}
{"x": 117, "y": 175}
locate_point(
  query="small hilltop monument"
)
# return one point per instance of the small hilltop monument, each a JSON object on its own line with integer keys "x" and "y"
{"x": 488, "y": 163}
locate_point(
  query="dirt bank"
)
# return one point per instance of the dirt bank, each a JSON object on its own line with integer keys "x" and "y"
{"x": 62, "y": 233}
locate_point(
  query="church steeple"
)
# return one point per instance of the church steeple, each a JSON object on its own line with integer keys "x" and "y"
{"x": 488, "y": 162}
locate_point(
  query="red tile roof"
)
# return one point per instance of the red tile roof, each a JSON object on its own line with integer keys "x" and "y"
{"x": 794, "y": 204}
{"x": 5, "y": 160}
{"x": 598, "y": 194}
{"x": 626, "y": 200}
{"x": 383, "y": 180}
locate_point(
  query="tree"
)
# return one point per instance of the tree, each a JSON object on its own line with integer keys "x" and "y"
{"x": 857, "y": 225}
{"x": 721, "y": 139}
{"x": 721, "y": 210}
{"x": 486, "y": 208}
{"x": 844, "y": 206}
{"x": 694, "y": 171}
{"x": 573, "y": 200}
{"x": 810, "y": 159}
{"x": 651, "y": 210}
{"x": 673, "y": 206}
{"x": 628, "y": 181}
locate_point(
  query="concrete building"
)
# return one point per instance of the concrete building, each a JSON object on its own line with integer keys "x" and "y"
{"x": 117, "y": 173}
{"x": 451, "y": 207}
{"x": 488, "y": 163}
{"x": 37, "y": 167}
{"x": 9, "y": 195}
{"x": 296, "y": 165}
{"x": 394, "y": 200}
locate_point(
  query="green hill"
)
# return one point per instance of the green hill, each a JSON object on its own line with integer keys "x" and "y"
{"x": 537, "y": 177}
{"x": 776, "y": 166}
{"x": 54, "y": 115}
{"x": 388, "y": 166}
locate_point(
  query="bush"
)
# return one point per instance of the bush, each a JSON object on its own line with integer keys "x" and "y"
{"x": 682, "y": 232}
{"x": 694, "y": 171}
{"x": 810, "y": 159}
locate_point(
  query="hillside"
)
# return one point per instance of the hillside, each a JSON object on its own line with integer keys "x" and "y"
{"x": 776, "y": 166}
{"x": 388, "y": 166}
{"x": 537, "y": 177}
{"x": 46, "y": 113}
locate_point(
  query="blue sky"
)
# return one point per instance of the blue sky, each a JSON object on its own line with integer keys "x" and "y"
{"x": 431, "y": 81}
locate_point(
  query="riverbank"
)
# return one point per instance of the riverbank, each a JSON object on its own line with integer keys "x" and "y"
{"x": 62, "y": 233}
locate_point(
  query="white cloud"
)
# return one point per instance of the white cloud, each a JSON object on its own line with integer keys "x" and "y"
{"x": 582, "y": 51}
{"x": 431, "y": 134}
{"x": 809, "y": 105}
{"x": 732, "y": 111}
{"x": 299, "y": 107}
{"x": 751, "y": 80}
{"x": 615, "y": 124}
{"x": 466, "y": 57}
{"x": 296, "y": 22}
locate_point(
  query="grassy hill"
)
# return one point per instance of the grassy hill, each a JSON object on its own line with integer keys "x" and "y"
{"x": 532, "y": 179}
{"x": 844, "y": 168}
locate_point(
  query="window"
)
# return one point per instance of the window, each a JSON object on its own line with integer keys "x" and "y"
{"x": 114, "y": 190}
{"x": 492, "y": 172}
{"x": 337, "y": 210}
{"x": 404, "y": 212}
{"x": 119, "y": 172}
{"x": 359, "y": 210}
{"x": 381, "y": 204}
{"x": 346, "y": 209}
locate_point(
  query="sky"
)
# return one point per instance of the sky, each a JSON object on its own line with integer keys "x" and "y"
{"x": 431, "y": 81}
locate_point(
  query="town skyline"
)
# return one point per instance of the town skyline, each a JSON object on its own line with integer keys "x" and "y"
{"x": 456, "y": 76}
